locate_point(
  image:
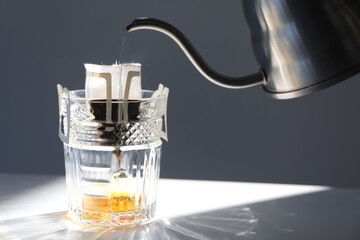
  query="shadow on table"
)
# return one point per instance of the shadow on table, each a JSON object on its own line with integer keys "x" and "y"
{"x": 18, "y": 186}
{"x": 331, "y": 214}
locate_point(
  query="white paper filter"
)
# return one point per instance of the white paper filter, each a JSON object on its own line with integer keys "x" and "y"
{"x": 118, "y": 81}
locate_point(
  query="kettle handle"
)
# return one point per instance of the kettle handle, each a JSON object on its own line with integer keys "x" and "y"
{"x": 194, "y": 56}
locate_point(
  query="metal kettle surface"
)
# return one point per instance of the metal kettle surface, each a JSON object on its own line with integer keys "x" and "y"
{"x": 301, "y": 46}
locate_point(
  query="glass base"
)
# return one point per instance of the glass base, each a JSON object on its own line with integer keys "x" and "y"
{"x": 110, "y": 187}
{"x": 123, "y": 219}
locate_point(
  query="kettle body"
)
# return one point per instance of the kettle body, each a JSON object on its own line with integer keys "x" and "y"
{"x": 304, "y": 46}
{"x": 301, "y": 46}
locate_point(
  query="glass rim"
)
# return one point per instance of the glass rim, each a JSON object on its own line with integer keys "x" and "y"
{"x": 73, "y": 97}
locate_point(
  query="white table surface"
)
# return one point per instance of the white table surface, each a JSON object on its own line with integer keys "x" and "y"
{"x": 28, "y": 195}
{"x": 34, "y": 207}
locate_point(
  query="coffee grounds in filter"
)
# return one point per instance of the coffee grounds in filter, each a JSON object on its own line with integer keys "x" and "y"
{"x": 109, "y": 88}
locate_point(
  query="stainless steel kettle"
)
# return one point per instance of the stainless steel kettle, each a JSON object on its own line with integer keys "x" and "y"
{"x": 301, "y": 46}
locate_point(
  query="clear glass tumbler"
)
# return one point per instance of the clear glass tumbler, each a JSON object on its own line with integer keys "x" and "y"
{"x": 112, "y": 154}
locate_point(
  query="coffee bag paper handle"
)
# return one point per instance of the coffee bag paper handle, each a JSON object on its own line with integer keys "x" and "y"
{"x": 164, "y": 133}
{"x": 165, "y": 92}
{"x": 64, "y": 130}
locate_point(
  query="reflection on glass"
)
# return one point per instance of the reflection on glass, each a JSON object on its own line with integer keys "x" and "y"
{"x": 231, "y": 223}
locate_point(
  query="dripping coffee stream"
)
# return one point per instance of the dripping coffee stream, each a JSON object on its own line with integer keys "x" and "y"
{"x": 134, "y": 108}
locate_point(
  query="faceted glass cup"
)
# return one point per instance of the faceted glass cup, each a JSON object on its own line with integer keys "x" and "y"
{"x": 112, "y": 152}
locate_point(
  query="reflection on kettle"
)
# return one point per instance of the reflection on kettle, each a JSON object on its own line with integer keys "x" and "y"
{"x": 301, "y": 46}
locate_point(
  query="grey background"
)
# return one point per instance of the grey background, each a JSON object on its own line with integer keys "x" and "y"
{"x": 214, "y": 133}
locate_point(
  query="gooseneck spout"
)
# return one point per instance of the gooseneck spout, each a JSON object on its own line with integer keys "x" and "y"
{"x": 194, "y": 56}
